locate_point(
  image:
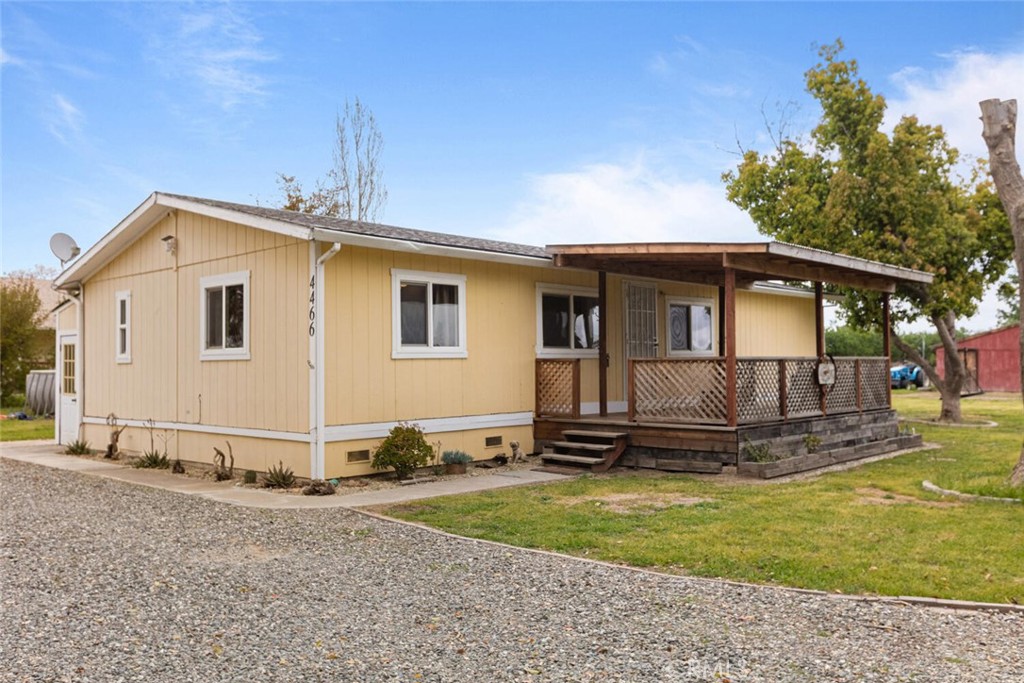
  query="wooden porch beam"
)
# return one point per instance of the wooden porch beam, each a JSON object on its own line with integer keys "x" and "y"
{"x": 791, "y": 270}
{"x": 819, "y": 320}
{"x": 602, "y": 343}
{"x": 886, "y": 349}
{"x": 731, "y": 417}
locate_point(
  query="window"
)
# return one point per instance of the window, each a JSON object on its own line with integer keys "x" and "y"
{"x": 123, "y": 327}
{"x": 568, "y": 321}
{"x": 67, "y": 381}
{"x": 224, "y": 316}
{"x": 691, "y": 330}
{"x": 428, "y": 315}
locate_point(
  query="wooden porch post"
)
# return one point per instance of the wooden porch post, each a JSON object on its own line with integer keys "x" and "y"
{"x": 886, "y": 350}
{"x": 730, "y": 347}
{"x": 602, "y": 343}
{"x": 819, "y": 320}
{"x": 721, "y": 321}
{"x": 819, "y": 338}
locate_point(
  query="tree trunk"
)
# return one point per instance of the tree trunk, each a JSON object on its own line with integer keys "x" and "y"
{"x": 999, "y": 127}
{"x": 949, "y": 387}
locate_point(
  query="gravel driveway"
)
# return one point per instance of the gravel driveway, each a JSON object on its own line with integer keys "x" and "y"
{"x": 106, "y": 581}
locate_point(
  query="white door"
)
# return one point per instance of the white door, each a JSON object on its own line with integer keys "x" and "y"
{"x": 67, "y": 390}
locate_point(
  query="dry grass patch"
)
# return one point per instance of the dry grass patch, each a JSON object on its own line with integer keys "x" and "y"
{"x": 633, "y": 503}
{"x": 873, "y": 496}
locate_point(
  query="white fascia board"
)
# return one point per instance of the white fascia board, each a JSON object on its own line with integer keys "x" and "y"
{"x": 386, "y": 243}
{"x": 118, "y": 238}
{"x": 302, "y": 437}
{"x": 240, "y": 217}
{"x": 377, "y": 430}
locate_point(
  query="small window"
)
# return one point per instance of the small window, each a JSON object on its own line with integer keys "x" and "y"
{"x": 691, "y": 329}
{"x": 568, "y": 321}
{"x": 123, "y": 327}
{"x": 429, "y": 315}
{"x": 224, "y": 316}
{"x": 67, "y": 383}
{"x": 358, "y": 456}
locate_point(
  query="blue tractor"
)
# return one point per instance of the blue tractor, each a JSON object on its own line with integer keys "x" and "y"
{"x": 903, "y": 375}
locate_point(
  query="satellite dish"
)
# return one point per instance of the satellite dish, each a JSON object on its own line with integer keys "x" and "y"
{"x": 63, "y": 247}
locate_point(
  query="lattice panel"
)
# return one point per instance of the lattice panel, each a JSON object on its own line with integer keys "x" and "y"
{"x": 874, "y": 383}
{"x": 842, "y": 396}
{"x": 803, "y": 397}
{"x": 757, "y": 390}
{"x": 556, "y": 394}
{"x": 679, "y": 390}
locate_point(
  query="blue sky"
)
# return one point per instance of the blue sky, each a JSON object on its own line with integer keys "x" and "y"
{"x": 539, "y": 123}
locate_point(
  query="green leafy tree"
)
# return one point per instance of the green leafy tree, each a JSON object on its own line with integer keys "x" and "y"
{"x": 849, "y": 341}
{"x": 891, "y": 197}
{"x": 354, "y": 187}
{"x": 1009, "y": 300}
{"x": 19, "y": 338}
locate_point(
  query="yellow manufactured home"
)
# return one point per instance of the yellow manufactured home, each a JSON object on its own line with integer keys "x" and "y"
{"x": 304, "y": 339}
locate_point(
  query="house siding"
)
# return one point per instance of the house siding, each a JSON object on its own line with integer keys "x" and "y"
{"x": 166, "y": 381}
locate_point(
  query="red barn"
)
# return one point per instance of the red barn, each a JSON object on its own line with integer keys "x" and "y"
{"x": 993, "y": 356}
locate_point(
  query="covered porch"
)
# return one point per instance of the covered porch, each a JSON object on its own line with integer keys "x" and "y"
{"x": 712, "y": 407}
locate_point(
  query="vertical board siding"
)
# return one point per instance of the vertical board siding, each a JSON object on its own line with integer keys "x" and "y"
{"x": 165, "y": 379}
{"x": 365, "y": 385}
{"x": 774, "y": 325}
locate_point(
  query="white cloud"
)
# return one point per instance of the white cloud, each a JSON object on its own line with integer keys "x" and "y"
{"x": 64, "y": 118}
{"x": 7, "y": 59}
{"x": 217, "y": 49}
{"x": 949, "y": 96}
{"x": 624, "y": 203}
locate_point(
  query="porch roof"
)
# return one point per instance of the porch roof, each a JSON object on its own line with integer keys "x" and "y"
{"x": 705, "y": 263}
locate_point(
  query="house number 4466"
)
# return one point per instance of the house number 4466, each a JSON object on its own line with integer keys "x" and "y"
{"x": 312, "y": 306}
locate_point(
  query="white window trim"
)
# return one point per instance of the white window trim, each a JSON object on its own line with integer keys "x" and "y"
{"x": 549, "y": 352}
{"x": 223, "y": 280}
{"x": 126, "y": 356}
{"x": 398, "y": 350}
{"x": 690, "y": 301}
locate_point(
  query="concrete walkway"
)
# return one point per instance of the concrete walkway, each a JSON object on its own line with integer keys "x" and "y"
{"x": 49, "y": 454}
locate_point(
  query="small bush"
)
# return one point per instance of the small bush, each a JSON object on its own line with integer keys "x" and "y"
{"x": 812, "y": 443}
{"x": 152, "y": 460}
{"x": 456, "y": 458}
{"x": 17, "y": 400}
{"x": 279, "y": 477}
{"x": 761, "y": 452}
{"x": 249, "y": 477}
{"x": 404, "y": 449}
{"x": 78, "y": 447}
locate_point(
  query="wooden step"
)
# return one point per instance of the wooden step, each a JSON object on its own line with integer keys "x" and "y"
{"x": 583, "y": 446}
{"x": 609, "y": 436}
{"x": 565, "y": 457}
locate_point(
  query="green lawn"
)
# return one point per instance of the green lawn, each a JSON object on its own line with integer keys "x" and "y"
{"x": 23, "y": 430}
{"x": 868, "y": 530}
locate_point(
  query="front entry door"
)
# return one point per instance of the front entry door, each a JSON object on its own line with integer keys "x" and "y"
{"x": 67, "y": 390}
{"x": 640, "y": 311}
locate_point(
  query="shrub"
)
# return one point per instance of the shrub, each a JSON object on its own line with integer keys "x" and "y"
{"x": 404, "y": 449}
{"x": 456, "y": 458}
{"x": 279, "y": 477}
{"x": 78, "y": 447}
{"x": 249, "y": 477}
{"x": 812, "y": 443}
{"x": 152, "y": 460}
{"x": 761, "y": 452}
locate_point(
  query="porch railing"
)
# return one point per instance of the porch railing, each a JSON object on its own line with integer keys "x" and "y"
{"x": 693, "y": 390}
{"x": 767, "y": 389}
{"x": 558, "y": 388}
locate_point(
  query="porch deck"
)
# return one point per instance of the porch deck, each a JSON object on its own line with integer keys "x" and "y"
{"x": 679, "y": 413}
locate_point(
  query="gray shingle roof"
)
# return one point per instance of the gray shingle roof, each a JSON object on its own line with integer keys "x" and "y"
{"x": 373, "y": 229}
